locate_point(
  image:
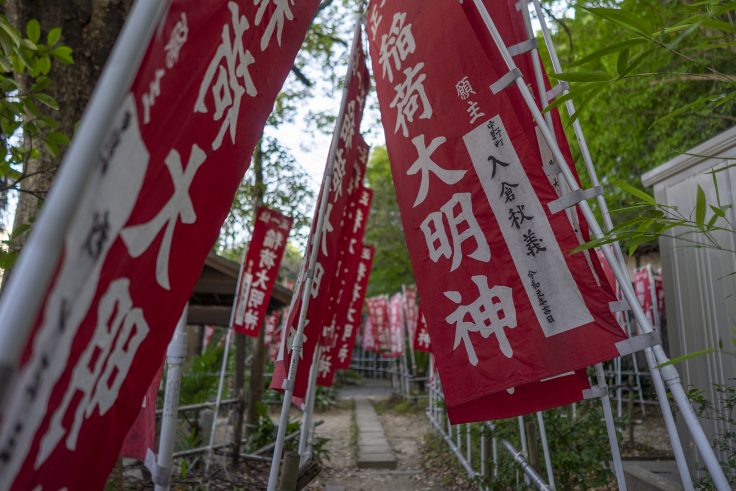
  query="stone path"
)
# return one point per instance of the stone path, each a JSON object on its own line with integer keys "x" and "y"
{"x": 373, "y": 448}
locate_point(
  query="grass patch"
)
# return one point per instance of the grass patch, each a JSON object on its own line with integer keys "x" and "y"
{"x": 442, "y": 466}
{"x": 397, "y": 405}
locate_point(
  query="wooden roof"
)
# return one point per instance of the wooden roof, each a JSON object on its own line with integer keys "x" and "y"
{"x": 213, "y": 294}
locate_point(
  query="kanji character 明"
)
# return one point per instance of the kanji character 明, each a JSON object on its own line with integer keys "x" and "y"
{"x": 319, "y": 272}
{"x": 424, "y": 165}
{"x": 227, "y": 77}
{"x": 138, "y": 238}
{"x": 256, "y": 298}
{"x": 410, "y": 97}
{"x": 491, "y": 313}
{"x": 437, "y": 242}
{"x": 100, "y": 370}
{"x": 396, "y": 45}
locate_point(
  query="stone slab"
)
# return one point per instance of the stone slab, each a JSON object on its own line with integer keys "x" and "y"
{"x": 377, "y": 461}
{"x": 373, "y": 448}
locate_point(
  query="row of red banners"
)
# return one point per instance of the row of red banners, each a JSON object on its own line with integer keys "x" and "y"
{"x": 507, "y": 306}
{"x": 150, "y": 214}
{"x": 344, "y": 194}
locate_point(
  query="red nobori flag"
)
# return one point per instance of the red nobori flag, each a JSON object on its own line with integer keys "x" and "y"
{"x": 350, "y": 149}
{"x": 260, "y": 268}
{"x": 396, "y": 325}
{"x": 525, "y": 399}
{"x": 421, "y": 334}
{"x": 378, "y": 312}
{"x": 643, "y": 288}
{"x": 353, "y": 315}
{"x": 152, "y": 210}
{"x": 505, "y": 302}
{"x": 411, "y": 309}
{"x": 344, "y": 289}
{"x": 369, "y": 341}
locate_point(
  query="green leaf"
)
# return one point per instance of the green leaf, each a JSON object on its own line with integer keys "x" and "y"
{"x": 700, "y": 208}
{"x": 688, "y": 356}
{"x": 628, "y": 188}
{"x": 63, "y": 54}
{"x": 622, "y": 62}
{"x": 582, "y": 76}
{"x": 44, "y": 64}
{"x": 11, "y": 33}
{"x": 53, "y": 36}
{"x": 57, "y": 138}
{"x": 608, "y": 50}
{"x": 33, "y": 30}
{"x": 717, "y": 211}
{"x": 623, "y": 18}
{"x": 47, "y": 100}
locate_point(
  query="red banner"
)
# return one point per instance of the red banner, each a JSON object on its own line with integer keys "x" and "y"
{"x": 350, "y": 149}
{"x": 421, "y": 334}
{"x": 411, "y": 309}
{"x": 369, "y": 340}
{"x": 260, "y": 268}
{"x": 151, "y": 212}
{"x": 646, "y": 293}
{"x": 396, "y": 325}
{"x": 506, "y": 303}
{"x": 344, "y": 287}
{"x": 141, "y": 436}
{"x": 378, "y": 313}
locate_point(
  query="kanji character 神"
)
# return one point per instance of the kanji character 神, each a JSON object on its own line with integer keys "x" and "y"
{"x": 437, "y": 242}
{"x": 424, "y": 165}
{"x": 325, "y": 365}
{"x": 225, "y": 81}
{"x": 491, "y": 313}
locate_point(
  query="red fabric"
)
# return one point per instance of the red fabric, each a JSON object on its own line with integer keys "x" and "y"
{"x": 396, "y": 325}
{"x": 643, "y": 287}
{"x": 349, "y": 147}
{"x": 378, "y": 313}
{"x": 259, "y": 270}
{"x": 421, "y": 340}
{"x": 525, "y": 399}
{"x": 411, "y": 309}
{"x": 504, "y": 308}
{"x": 142, "y": 434}
{"x": 149, "y": 215}
{"x": 345, "y": 295}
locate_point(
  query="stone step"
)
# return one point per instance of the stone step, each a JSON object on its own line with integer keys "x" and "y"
{"x": 374, "y": 452}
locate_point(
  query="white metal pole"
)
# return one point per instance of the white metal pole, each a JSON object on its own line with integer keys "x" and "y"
{"x": 409, "y": 337}
{"x": 27, "y": 286}
{"x": 296, "y": 349}
{"x": 624, "y": 282}
{"x": 669, "y": 373}
{"x": 545, "y": 449}
{"x": 175, "y": 356}
{"x": 305, "y": 436}
{"x": 618, "y": 467}
{"x": 228, "y": 337}
{"x": 524, "y": 447}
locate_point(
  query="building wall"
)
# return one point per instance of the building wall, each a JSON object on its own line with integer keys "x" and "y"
{"x": 700, "y": 291}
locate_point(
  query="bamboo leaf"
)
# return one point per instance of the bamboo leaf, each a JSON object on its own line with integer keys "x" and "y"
{"x": 700, "y": 208}
{"x": 688, "y": 356}
{"x": 622, "y": 62}
{"x": 582, "y": 76}
{"x": 628, "y": 188}
{"x": 614, "y": 48}
{"x": 623, "y": 18}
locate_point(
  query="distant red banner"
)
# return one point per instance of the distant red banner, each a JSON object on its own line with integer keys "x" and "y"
{"x": 345, "y": 290}
{"x": 421, "y": 334}
{"x": 151, "y": 212}
{"x": 505, "y": 302}
{"x": 351, "y": 149}
{"x": 260, "y": 268}
{"x": 411, "y": 309}
{"x": 378, "y": 316}
{"x": 396, "y": 325}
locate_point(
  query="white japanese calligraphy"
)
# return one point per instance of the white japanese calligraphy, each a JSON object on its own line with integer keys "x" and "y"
{"x": 424, "y": 165}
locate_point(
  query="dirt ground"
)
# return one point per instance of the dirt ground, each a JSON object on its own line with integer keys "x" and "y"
{"x": 405, "y": 432}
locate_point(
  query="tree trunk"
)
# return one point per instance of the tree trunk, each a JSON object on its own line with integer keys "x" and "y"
{"x": 89, "y": 27}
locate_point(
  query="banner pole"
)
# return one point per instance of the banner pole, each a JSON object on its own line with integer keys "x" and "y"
{"x": 175, "y": 356}
{"x": 296, "y": 349}
{"x": 30, "y": 279}
{"x": 545, "y": 450}
{"x": 221, "y": 381}
{"x": 305, "y": 436}
{"x": 669, "y": 373}
{"x": 618, "y": 466}
{"x": 657, "y": 381}
{"x": 409, "y": 336}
